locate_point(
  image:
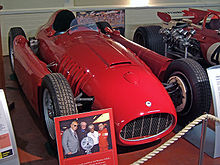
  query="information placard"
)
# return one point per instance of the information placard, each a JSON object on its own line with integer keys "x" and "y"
{"x": 212, "y": 139}
{"x": 86, "y": 138}
{"x": 8, "y": 148}
{"x": 214, "y": 78}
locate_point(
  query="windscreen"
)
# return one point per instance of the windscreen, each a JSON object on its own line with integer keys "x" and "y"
{"x": 85, "y": 25}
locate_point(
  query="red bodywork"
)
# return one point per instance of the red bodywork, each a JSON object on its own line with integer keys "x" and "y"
{"x": 208, "y": 38}
{"x": 117, "y": 72}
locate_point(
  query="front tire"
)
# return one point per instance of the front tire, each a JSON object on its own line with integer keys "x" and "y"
{"x": 194, "y": 88}
{"x": 57, "y": 100}
{"x": 15, "y": 31}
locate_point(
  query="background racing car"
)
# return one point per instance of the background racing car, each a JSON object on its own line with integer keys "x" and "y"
{"x": 195, "y": 35}
{"x": 72, "y": 68}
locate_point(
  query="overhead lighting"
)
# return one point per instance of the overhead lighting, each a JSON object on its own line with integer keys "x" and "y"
{"x": 136, "y": 3}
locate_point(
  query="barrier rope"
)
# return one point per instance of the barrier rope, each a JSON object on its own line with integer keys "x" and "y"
{"x": 175, "y": 138}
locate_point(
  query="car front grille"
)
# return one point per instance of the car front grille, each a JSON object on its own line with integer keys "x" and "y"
{"x": 146, "y": 127}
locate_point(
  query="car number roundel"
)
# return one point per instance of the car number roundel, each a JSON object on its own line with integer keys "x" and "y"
{"x": 213, "y": 54}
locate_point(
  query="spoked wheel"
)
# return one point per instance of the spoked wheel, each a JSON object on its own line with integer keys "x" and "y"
{"x": 49, "y": 113}
{"x": 192, "y": 97}
{"x": 15, "y": 31}
{"x": 184, "y": 100}
{"x": 57, "y": 100}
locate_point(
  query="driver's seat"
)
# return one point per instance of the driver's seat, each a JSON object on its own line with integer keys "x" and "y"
{"x": 63, "y": 20}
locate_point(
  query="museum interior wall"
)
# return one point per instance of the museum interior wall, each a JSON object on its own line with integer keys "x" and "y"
{"x": 30, "y": 14}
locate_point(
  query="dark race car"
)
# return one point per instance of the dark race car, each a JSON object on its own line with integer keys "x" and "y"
{"x": 71, "y": 68}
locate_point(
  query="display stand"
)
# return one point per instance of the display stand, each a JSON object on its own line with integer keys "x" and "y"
{"x": 212, "y": 140}
{"x": 8, "y": 148}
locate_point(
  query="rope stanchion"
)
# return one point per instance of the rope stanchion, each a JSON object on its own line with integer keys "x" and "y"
{"x": 175, "y": 138}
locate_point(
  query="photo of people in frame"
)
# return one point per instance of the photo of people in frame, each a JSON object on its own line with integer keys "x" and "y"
{"x": 85, "y": 135}
{"x": 116, "y": 18}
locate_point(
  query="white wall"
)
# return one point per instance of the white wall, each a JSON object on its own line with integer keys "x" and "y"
{"x": 138, "y": 2}
{"x": 29, "y": 22}
{"x": 31, "y": 14}
{"x": 28, "y": 4}
{"x": 28, "y": 14}
{"x": 100, "y": 2}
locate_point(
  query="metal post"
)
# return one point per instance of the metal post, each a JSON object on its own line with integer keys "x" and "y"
{"x": 166, "y": 47}
{"x": 202, "y": 140}
{"x": 186, "y": 52}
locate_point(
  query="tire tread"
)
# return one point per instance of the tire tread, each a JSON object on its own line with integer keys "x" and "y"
{"x": 62, "y": 93}
{"x": 153, "y": 40}
{"x": 200, "y": 86}
{"x": 14, "y": 32}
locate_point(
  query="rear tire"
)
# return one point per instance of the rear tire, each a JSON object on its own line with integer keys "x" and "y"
{"x": 57, "y": 100}
{"x": 15, "y": 31}
{"x": 195, "y": 89}
{"x": 149, "y": 37}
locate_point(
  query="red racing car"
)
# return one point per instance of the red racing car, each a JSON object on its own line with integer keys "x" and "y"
{"x": 195, "y": 35}
{"x": 72, "y": 68}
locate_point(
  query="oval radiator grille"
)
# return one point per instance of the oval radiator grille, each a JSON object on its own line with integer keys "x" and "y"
{"x": 146, "y": 127}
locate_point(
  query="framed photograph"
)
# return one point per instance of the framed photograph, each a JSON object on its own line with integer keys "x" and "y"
{"x": 86, "y": 138}
{"x": 116, "y": 18}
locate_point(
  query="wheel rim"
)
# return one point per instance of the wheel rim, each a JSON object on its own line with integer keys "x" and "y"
{"x": 48, "y": 109}
{"x": 186, "y": 90}
{"x": 11, "y": 53}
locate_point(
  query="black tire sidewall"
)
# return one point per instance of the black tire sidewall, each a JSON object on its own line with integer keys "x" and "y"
{"x": 199, "y": 84}
{"x": 153, "y": 40}
{"x": 15, "y": 31}
{"x": 48, "y": 83}
{"x": 140, "y": 32}
{"x": 174, "y": 70}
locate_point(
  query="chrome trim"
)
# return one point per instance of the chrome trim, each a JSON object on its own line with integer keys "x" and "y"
{"x": 169, "y": 119}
